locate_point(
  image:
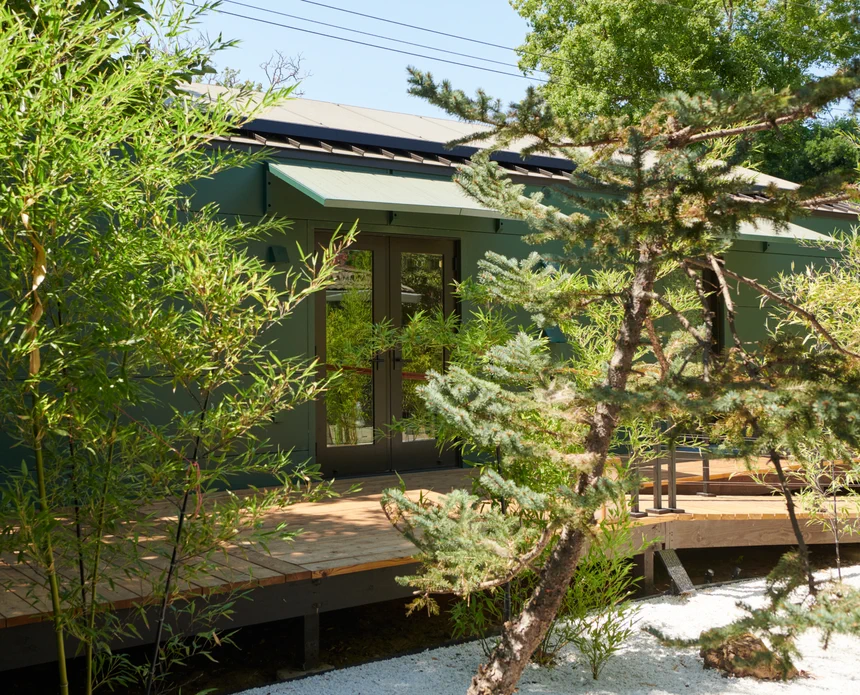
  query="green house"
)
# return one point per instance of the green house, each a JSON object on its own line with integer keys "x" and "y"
{"x": 333, "y": 164}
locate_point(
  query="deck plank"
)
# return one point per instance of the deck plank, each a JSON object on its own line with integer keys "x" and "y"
{"x": 14, "y": 610}
{"x": 290, "y": 571}
{"x": 23, "y": 597}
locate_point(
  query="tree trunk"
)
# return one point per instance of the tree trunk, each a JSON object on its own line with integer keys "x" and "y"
{"x": 802, "y": 548}
{"x": 522, "y": 636}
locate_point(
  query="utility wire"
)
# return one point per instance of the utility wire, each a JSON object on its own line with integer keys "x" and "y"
{"x": 409, "y": 43}
{"x": 809, "y": 4}
{"x": 432, "y": 31}
{"x": 524, "y": 51}
{"x": 409, "y": 26}
{"x": 374, "y": 45}
{"x": 367, "y": 33}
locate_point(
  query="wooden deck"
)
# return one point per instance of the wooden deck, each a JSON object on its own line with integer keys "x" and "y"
{"x": 730, "y": 521}
{"x": 351, "y": 535}
{"x": 340, "y": 536}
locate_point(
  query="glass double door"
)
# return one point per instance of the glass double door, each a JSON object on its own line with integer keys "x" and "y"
{"x": 378, "y": 327}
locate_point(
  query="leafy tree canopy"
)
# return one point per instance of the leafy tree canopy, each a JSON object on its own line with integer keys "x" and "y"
{"x": 616, "y": 56}
{"x": 804, "y": 151}
{"x": 95, "y": 8}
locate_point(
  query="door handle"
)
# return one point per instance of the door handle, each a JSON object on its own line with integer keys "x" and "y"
{"x": 396, "y": 358}
{"x": 377, "y": 360}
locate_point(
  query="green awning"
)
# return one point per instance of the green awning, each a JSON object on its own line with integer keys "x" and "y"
{"x": 371, "y": 190}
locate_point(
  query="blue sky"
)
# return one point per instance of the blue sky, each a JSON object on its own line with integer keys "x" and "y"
{"x": 364, "y": 76}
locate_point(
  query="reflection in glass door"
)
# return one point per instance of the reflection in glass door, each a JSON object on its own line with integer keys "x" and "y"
{"x": 354, "y": 408}
{"x": 407, "y": 283}
{"x": 421, "y": 273}
{"x": 421, "y": 299}
{"x": 349, "y": 317}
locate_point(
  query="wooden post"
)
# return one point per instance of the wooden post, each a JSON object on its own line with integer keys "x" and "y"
{"x": 634, "y": 497}
{"x": 311, "y": 639}
{"x": 673, "y": 478}
{"x": 648, "y": 569}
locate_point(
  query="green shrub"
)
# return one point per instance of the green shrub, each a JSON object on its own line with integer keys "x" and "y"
{"x": 595, "y": 615}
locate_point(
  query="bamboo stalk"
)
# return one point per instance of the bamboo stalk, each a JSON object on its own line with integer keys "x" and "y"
{"x": 91, "y": 618}
{"x": 506, "y": 608}
{"x": 51, "y": 569}
{"x": 173, "y": 563}
{"x": 75, "y": 497}
{"x": 833, "y": 490}
{"x": 39, "y": 272}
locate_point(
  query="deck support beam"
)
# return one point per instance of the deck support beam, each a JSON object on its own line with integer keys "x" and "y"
{"x": 648, "y": 570}
{"x": 311, "y": 639}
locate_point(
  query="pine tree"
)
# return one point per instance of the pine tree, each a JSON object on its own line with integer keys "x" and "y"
{"x": 652, "y": 208}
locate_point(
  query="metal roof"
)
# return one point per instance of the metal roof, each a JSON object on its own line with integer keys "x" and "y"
{"x": 360, "y": 125}
{"x": 766, "y": 229}
{"x": 313, "y": 149}
{"x": 373, "y": 134}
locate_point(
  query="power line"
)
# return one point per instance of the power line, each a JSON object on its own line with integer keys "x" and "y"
{"x": 524, "y": 51}
{"x": 409, "y": 26}
{"x": 809, "y": 4}
{"x": 409, "y": 43}
{"x": 374, "y": 45}
{"x": 367, "y": 33}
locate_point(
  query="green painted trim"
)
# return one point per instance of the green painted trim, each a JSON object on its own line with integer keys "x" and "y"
{"x": 404, "y": 207}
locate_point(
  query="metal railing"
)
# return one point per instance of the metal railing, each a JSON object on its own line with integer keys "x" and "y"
{"x": 663, "y": 464}
{"x": 692, "y": 448}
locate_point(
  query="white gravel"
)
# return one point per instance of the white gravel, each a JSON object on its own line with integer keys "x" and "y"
{"x": 643, "y": 667}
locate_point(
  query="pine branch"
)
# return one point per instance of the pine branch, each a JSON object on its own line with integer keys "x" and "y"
{"x": 683, "y": 320}
{"x": 657, "y": 348}
{"x": 791, "y": 306}
{"x": 850, "y": 194}
{"x": 674, "y": 123}
{"x": 683, "y": 139}
{"x": 524, "y": 561}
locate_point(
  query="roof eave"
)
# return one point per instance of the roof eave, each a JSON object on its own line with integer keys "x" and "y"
{"x": 266, "y": 126}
